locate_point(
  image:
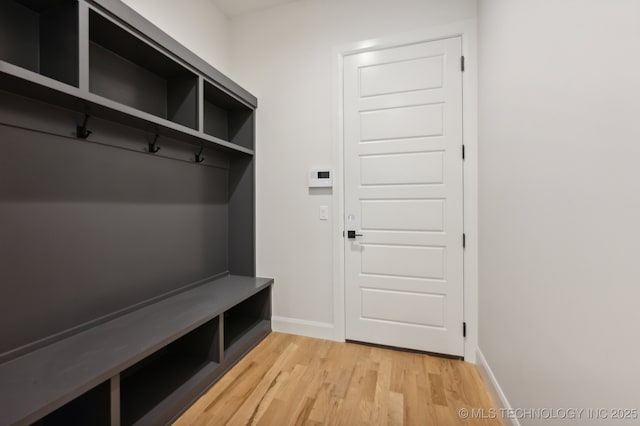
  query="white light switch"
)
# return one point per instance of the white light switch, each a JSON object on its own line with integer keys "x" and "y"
{"x": 324, "y": 212}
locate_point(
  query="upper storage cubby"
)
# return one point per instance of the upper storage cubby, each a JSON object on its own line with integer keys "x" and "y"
{"x": 227, "y": 118}
{"x": 127, "y": 70}
{"x": 41, "y": 36}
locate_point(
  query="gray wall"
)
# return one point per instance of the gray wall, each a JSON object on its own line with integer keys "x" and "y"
{"x": 559, "y": 193}
{"x": 87, "y": 229}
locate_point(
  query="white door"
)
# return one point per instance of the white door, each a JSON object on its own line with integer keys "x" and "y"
{"x": 403, "y": 193}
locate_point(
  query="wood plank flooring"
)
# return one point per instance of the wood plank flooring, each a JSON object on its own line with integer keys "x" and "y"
{"x": 294, "y": 380}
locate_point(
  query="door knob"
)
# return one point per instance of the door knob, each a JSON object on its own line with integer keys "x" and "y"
{"x": 352, "y": 234}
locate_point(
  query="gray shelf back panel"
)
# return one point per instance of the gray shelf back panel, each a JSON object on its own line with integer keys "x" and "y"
{"x": 227, "y": 118}
{"x": 88, "y": 230}
{"x": 246, "y": 341}
{"x": 56, "y": 374}
{"x": 242, "y": 216}
{"x": 59, "y": 43}
{"x": 91, "y": 408}
{"x": 109, "y": 35}
{"x": 245, "y": 316}
{"x": 41, "y": 37}
{"x": 182, "y": 100}
{"x": 242, "y": 128}
{"x": 20, "y": 26}
{"x": 180, "y": 399}
{"x": 116, "y": 78}
{"x": 216, "y": 120}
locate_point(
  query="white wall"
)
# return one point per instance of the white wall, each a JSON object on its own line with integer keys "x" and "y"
{"x": 559, "y": 191}
{"x": 284, "y": 56}
{"x": 197, "y": 24}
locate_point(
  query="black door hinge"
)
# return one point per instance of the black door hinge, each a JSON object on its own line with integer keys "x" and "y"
{"x": 463, "y": 153}
{"x": 464, "y": 240}
{"x": 462, "y": 63}
{"x": 464, "y": 329}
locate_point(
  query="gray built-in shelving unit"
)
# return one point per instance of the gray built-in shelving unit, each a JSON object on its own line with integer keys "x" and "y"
{"x": 127, "y": 255}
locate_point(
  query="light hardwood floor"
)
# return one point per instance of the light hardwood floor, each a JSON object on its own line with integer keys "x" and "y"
{"x": 293, "y": 380}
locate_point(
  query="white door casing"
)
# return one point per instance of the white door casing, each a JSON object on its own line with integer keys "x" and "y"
{"x": 403, "y": 187}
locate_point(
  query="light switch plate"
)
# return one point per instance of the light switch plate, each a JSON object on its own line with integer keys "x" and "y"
{"x": 324, "y": 212}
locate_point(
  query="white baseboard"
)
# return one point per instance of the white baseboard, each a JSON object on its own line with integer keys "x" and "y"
{"x": 319, "y": 330}
{"x": 497, "y": 395}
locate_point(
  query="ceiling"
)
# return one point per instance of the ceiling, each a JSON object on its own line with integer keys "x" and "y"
{"x": 233, "y": 8}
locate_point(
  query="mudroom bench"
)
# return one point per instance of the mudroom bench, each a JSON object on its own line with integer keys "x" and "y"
{"x": 144, "y": 367}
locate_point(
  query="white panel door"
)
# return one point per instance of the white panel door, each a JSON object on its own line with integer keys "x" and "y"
{"x": 403, "y": 193}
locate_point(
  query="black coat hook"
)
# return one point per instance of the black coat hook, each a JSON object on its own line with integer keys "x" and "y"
{"x": 153, "y": 148}
{"x": 199, "y": 157}
{"x": 81, "y": 131}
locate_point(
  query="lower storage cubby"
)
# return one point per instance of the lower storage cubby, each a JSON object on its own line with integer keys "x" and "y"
{"x": 246, "y": 320}
{"x": 91, "y": 408}
{"x": 166, "y": 378}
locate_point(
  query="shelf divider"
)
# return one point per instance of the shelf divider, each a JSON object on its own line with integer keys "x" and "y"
{"x": 115, "y": 400}
{"x": 83, "y": 45}
{"x": 216, "y": 352}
